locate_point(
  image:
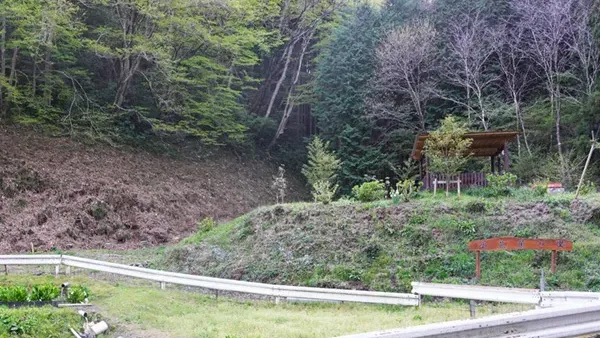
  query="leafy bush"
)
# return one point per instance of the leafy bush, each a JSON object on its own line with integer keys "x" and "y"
{"x": 206, "y": 225}
{"x": 587, "y": 188}
{"x": 77, "y": 294}
{"x": 405, "y": 190}
{"x": 37, "y": 322}
{"x": 539, "y": 188}
{"x": 44, "y": 292}
{"x": 323, "y": 191}
{"x": 476, "y": 206}
{"x": 15, "y": 293}
{"x": 500, "y": 185}
{"x": 369, "y": 191}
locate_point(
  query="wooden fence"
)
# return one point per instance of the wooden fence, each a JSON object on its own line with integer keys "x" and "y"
{"x": 468, "y": 180}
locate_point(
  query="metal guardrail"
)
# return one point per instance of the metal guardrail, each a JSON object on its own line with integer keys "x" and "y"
{"x": 559, "y": 298}
{"x": 506, "y": 295}
{"x": 571, "y": 321}
{"x": 277, "y": 291}
{"x": 475, "y": 292}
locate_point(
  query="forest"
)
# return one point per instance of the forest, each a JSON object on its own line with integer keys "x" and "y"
{"x": 260, "y": 77}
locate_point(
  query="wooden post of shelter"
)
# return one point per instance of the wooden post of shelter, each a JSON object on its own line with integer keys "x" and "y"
{"x": 553, "y": 261}
{"x": 492, "y": 164}
{"x": 506, "y": 159}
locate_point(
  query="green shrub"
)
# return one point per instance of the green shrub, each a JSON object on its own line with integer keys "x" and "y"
{"x": 16, "y": 293}
{"x": 539, "y": 188}
{"x": 405, "y": 191}
{"x": 369, "y": 191}
{"x": 500, "y": 185}
{"x": 37, "y": 322}
{"x": 206, "y": 225}
{"x": 44, "y": 293}
{"x": 323, "y": 191}
{"x": 77, "y": 294}
{"x": 475, "y": 206}
{"x": 587, "y": 188}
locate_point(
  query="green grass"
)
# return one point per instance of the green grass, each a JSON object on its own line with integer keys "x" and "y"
{"x": 38, "y": 322}
{"x": 177, "y": 313}
{"x": 384, "y": 246}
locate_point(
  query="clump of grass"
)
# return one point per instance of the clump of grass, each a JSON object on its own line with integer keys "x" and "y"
{"x": 38, "y": 322}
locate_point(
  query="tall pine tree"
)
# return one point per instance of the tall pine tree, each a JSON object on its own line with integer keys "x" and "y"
{"x": 342, "y": 83}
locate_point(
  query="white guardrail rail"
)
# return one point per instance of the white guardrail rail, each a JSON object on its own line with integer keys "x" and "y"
{"x": 569, "y": 321}
{"x": 277, "y": 291}
{"x": 506, "y": 295}
{"x": 475, "y": 292}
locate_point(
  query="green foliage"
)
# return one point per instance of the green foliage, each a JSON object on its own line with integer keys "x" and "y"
{"x": 322, "y": 163}
{"x": 77, "y": 294}
{"x": 369, "y": 191}
{"x": 320, "y": 172}
{"x": 38, "y": 322}
{"x": 41, "y": 292}
{"x": 14, "y": 293}
{"x": 447, "y": 148}
{"x": 475, "y": 206}
{"x": 44, "y": 292}
{"x": 323, "y": 191}
{"x": 206, "y": 225}
{"x": 588, "y": 188}
{"x": 539, "y": 188}
{"x": 344, "y": 71}
{"x": 405, "y": 190}
{"x": 500, "y": 185}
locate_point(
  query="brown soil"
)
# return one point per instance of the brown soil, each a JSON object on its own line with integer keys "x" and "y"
{"x": 57, "y": 193}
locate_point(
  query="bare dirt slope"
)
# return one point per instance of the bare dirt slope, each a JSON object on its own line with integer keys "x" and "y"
{"x": 56, "y": 193}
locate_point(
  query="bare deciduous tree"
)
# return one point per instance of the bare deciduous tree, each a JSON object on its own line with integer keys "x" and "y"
{"x": 470, "y": 47}
{"x": 583, "y": 45}
{"x": 406, "y": 59}
{"x": 548, "y": 25}
{"x": 515, "y": 69}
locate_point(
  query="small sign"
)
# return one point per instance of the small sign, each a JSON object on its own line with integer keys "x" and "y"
{"x": 513, "y": 243}
{"x": 555, "y": 188}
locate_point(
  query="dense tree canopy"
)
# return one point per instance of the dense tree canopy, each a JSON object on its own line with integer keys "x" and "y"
{"x": 268, "y": 74}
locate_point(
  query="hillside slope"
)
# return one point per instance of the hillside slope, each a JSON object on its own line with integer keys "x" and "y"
{"x": 382, "y": 246}
{"x": 56, "y": 193}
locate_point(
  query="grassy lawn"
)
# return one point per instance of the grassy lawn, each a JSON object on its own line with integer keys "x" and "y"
{"x": 177, "y": 313}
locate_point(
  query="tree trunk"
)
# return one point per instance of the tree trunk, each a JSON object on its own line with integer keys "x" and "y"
{"x": 558, "y": 139}
{"x": 128, "y": 69}
{"x": 2, "y": 59}
{"x": 281, "y": 78}
{"x": 289, "y": 106}
{"x": 47, "y": 90}
{"x": 11, "y": 79}
{"x": 520, "y": 122}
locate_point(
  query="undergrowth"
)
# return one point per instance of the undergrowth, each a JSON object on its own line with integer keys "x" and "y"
{"x": 383, "y": 246}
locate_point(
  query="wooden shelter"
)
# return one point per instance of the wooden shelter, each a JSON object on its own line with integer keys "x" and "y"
{"x": 490, "y": 144}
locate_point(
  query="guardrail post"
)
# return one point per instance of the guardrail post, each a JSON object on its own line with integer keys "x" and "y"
{"x": 472, "y": 308}
{"x": 6, "y": 270}
{"x": 277, "y": 300}
{"x": 68, "y": 270}
{"x": 163, "y": 285}
{"x": 56, "y": 270}
{"x": 478, "y": 264}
